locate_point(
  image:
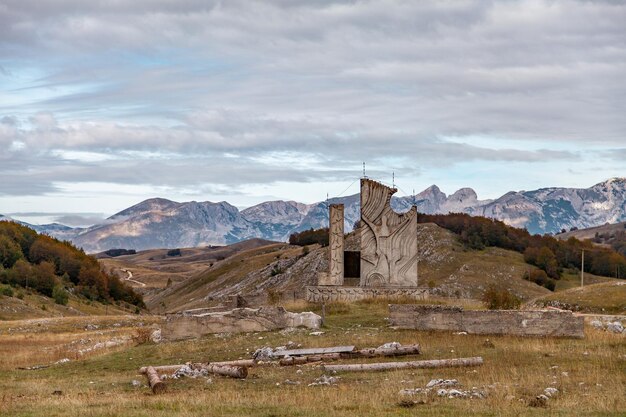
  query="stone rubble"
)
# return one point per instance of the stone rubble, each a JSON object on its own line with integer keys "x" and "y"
{"x": 155, "y": 336}
{"x": 442, "y": 383}
{"x": 325, "y": 380}
{"x": 188, "y": 372}
{"x": 436, "y": 386}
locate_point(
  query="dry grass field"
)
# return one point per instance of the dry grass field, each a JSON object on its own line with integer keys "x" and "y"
{"x": 590, "y": 374}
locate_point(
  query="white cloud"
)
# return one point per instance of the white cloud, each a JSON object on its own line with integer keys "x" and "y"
{"x": 238, "y": 93}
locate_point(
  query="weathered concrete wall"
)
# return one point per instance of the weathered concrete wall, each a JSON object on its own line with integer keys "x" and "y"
{"x": 321, "y": 294}
{"x": 388, "y": 239}
{"x": 336, "y": 244}
{"x": 240, "y": 320}
{"x": 509, "y": 322}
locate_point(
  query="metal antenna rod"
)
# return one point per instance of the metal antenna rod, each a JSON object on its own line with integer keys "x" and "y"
{"x": 364, "y": 176}
{"x": 393, "y": 179}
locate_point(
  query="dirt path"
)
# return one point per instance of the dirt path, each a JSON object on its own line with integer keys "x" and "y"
{"x": 130, "y": 278}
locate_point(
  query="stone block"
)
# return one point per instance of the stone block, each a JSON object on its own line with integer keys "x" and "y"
{"x": 240, "y": 320}
{"x": 498, "y": 322}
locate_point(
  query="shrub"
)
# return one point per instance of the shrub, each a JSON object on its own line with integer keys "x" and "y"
{"x": 496, "y": 299}
{"x": 309, "y": 237}
{"x": 60, "y": 295}
{"x": 276, "y": 270}
{"x": 6, "y": 290}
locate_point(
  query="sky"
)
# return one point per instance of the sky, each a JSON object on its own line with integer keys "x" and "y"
{"x": 104, "y": 104}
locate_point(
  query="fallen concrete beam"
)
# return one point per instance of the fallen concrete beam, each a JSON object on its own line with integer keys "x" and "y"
{"x": 386, "y": 366}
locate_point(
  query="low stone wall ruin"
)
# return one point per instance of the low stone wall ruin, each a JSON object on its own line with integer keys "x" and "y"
{"x": 325, "y": 294}
{"x": 239, "y": 320}
{"x": 498, "y": 322}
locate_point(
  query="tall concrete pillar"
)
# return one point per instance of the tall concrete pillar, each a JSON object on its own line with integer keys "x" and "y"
{"x": 335, "y": 243}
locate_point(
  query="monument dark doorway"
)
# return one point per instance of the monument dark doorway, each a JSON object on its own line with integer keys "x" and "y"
{"x": 352, "y": 264}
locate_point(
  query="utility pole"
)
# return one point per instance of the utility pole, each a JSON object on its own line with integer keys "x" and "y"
{"x": 582, "y": 269}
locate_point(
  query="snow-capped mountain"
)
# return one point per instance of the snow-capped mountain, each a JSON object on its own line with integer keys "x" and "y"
{"x": 161, "y": 223}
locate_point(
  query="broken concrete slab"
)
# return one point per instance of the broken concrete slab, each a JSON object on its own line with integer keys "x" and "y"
{"x": 502, "y": 322}
{"x": 239, "y": 320}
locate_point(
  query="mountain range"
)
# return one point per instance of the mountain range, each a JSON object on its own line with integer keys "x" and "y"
{"x": 162, "y": 223}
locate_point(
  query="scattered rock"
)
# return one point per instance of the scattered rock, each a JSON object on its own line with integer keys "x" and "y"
{"x": 290, "y": 382}
{"x": 550, "y": 392}
{"x": 455, "y": 393}
{"x": 442, "y": 383}
{"x": 187, "y": 371}
{"x": 263, "y": 354}
{"x": 62, "y": 361}
{"x": 316, "y": 333}
{"x": 155, "y": 336}
{"x": 615, "y": 327}
{"x": 460, "y": 333}
{"x": 135, "y": 383}
{"x": 57, "y": 392}
{"x": 325, "y": 380}
{"x": 597, "y": 324}
{"x": 91, "y": 326}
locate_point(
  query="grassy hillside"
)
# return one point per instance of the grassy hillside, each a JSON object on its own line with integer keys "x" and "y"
{"x": 34, "y": 267}
{"x": 225, "y": 277}
{"x": 446, "y": 266}
{"x": 153, "y": 268}
{"x": 607, "y": 297}
{"x": 27, "y": 304}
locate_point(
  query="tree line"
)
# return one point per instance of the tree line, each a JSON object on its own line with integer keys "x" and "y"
{"x": 52, "y": 268}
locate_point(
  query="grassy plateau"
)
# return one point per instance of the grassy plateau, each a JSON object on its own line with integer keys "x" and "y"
{"x": 590, "y": 373}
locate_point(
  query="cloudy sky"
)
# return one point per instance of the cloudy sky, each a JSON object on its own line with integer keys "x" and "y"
{"x": 104, "y": 104}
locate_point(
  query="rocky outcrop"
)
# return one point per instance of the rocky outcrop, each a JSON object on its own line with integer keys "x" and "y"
{"x": 239, "y": 320}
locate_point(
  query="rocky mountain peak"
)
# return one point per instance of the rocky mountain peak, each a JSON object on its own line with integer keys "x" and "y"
{"x": 463, "y": 195}
{"x": 162, "y": 223}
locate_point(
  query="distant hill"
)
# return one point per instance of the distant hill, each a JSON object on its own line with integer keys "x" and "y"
{"x": 161, "y": 223}
{"x": 608, "y": 235}
{"x": 590, "y": 233}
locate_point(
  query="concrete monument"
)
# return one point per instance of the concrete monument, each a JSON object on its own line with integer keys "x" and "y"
{"x": 336, "y": 245}
{"x": 388, "y": 254}
{"x": 388, "y": 239}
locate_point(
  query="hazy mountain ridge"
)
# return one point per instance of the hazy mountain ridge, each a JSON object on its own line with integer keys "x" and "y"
{"x": 162, "y": 223}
